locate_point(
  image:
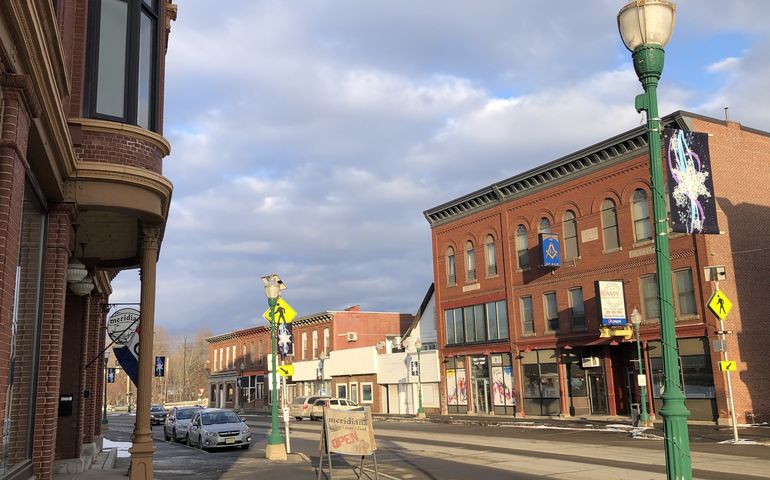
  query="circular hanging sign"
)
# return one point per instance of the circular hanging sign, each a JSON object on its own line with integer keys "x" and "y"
{"x": 122, "y": 324}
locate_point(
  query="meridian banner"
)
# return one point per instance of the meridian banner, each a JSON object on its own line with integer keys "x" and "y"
{"x": 690, "y": 182}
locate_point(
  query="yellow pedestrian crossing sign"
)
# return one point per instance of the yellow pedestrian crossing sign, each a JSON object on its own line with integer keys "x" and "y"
{"x": 283, "y": 312}
{"x": 720, "y": 304}
{"x": 728, "y": 365}
{"x": 286, "y": 370}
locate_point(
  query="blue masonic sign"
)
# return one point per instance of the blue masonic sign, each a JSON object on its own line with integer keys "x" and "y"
{"x": 550, "y": 249}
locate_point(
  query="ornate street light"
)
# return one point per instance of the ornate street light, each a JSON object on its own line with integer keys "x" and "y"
{"x": 636, "y": 321}
{"x": 645, "y": 27}
{"x": 420, "y": 410}
{"x": 276, "y": 450}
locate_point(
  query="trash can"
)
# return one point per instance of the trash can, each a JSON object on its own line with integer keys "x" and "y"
{"x": 635, "y": 408}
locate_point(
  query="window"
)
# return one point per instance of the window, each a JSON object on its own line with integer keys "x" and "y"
{"x": 527, "y": 316}
{"x": 227, "y": 359}
{"x": 342, "y": 390}
{"x": 252, "y": 357}
{"x": 122, "y": 63}
{"x": 232, "y": 365}
{"x": 522, "y": 247}
{"x": 353, "y": 392}
{"x": 551, "y": 312}
{"x": 215, "y": 360}
{"x": 451, "y": 273}
{"x": 315, "y": 344}
{"x": 367, "y": 393}
{"x": 610, "y": 225}
{"x": 649, "y": 287}
{"x": 571, "y": 249}
{"x": 470, "y": 324}
{"x": 497, "y": 320}
{"x": 577, "y": 308}
{"x": 685, "y": 293}
{"x": 326, "y": 342}
{"x": 261, "y": 352}
{"x": 243, "y": 355}
{"x": 640, "y": 212}
{"x": 221, "y": 358}
{"x": 449, "y": 326}
{"x": 476, "y": 323}
{"x": 304, "y": 345}
{"x": 544, "y": 226}
{"x": 470, "y": 262}
{"x": 490, "y": 255}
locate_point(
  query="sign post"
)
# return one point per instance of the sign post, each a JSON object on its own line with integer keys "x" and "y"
{"x": 347, "y": 432}
{"x": 720, "y": 305}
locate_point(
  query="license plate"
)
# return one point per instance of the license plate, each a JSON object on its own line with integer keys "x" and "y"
{"x": 230, "y": 440}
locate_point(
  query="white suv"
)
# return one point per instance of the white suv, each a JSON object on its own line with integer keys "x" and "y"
{"x": 317, "y": 410}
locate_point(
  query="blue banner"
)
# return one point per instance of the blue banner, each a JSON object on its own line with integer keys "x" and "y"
{"x": 550, "y": 249}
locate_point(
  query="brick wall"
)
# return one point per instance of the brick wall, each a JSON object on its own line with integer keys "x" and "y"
{"x": 103, "y": 147}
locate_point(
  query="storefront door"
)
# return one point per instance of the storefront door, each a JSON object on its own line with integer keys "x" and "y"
{"x": 597, "y": 390}
{"x": 480, "y": 384}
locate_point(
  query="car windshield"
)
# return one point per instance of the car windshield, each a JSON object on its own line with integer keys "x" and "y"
{"x": 185, "y": 414}
{"x": 157, "y": 409}
{"x": 214, "y": 418}
{"x": 299, "y": 401}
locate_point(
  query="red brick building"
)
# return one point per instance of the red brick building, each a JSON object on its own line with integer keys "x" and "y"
{"x": 82, "y": 197}
{"x": 538, "y": 328}
{"x": 242, "y": 358}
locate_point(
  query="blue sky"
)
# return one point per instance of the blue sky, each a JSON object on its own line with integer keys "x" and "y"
{"x": 309, "y": 137}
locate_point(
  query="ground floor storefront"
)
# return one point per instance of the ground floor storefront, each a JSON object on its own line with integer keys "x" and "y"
{"x": 577, "y": 380}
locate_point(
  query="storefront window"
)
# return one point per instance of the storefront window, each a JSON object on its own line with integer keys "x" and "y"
{"x": 695, "y": 364}
{"x": 22, "y": 373}
{"x": 456, "y": 385}
{"x": 542, "y": 390}
{"x": 476, "y": 323}
{"x": 577, "y": 380}
{"x": 503, "y": 393}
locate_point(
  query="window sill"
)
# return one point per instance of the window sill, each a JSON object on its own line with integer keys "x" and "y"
{"x": 642, "y": 243}
{"x": 451, "y": 285}
{"x": 492, "y": 276}
{"x": 612, "y": 250}
{"x": 531, "y": 334}
{"x": 524, "y": 269}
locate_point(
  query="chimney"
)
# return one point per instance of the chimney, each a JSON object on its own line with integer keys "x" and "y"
{"x": 354, "y": 308}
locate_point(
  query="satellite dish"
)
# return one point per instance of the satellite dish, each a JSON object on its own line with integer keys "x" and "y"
{"x": 380, "y": 345}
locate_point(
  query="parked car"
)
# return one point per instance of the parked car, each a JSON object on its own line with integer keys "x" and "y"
{"x": 157, "y": 414}
{"x": 217, "y": 427}
{"x": 300, "y": 407}
{"x": 177, "y": 421}
{"x": 317, "y": 410}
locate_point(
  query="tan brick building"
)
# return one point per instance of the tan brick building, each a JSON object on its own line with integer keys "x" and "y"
{"x": 82, "y": 197}
{"x": 516, "y": 335}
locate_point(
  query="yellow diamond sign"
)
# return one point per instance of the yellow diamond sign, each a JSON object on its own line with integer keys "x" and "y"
{"x": 720, "y": 304}
{"x": 283, "y": 312}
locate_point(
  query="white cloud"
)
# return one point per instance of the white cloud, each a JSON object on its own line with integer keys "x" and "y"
{"x": 728, "y": 65}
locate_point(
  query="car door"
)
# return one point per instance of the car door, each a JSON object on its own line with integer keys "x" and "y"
{"x": 193, "y": 431}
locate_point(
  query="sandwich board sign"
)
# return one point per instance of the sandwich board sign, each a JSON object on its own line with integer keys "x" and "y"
{"x": 347, "y": 432}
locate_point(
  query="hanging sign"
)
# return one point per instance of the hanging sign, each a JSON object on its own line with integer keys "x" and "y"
{"x": 160, "y": 366}
{"x": 122, "y": 324}
{"x": 612, "y": 303}
{"x": 110, "y": 375}
{"x": 550, "y": 249}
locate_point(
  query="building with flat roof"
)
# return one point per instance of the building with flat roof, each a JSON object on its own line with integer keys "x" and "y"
{"x": 514, "y": 334}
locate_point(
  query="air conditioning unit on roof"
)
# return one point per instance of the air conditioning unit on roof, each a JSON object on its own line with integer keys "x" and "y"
{"x": 352, "y": 336}
{"x": 589, "y": 362}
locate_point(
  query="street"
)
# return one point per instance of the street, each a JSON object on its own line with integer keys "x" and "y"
{"x": 446, "y": 451}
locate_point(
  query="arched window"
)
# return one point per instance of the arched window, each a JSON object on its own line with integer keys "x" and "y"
{"x": 610, "y": 225}
{"x": 522, "y": 247}
{"x": 315, "y": 344}
{"x": 544, "y": 226}
{"x": 451, "y": 273}
{"x": 571, "y": 249}
{"x": 470, "y": 261}
{"x": 326, "y": 342}
{"x": 490, "y": 255}
{"x": 304, "y": 345}
{"x": 640, "y": 212}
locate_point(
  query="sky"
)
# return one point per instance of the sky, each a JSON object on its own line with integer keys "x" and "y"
{"x": 308, "y": 137}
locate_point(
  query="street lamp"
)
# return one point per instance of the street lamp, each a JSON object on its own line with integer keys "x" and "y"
{"x": 645, "y": 27}
{"x": 276, "y": 450}
{"x": 240, "y": 392}
{"x": 104, "y": 400}
{"x": 636, "y": 320}
{"x": 420, "y": 410}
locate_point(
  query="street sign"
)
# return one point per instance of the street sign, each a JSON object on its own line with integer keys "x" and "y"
{"x": 122, "y": 325}
{"x": 286, "y": 370}
{"x": 728, "y": 365}
{"x": 720, "y": 304}
{"x": 283, "y": 312}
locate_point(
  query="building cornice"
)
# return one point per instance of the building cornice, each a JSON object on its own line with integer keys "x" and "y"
{"x": 312, "y": 319}
{"x": 622, "y": 147}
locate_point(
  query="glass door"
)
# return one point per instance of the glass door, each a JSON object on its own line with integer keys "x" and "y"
{"x": 598, "y": 392}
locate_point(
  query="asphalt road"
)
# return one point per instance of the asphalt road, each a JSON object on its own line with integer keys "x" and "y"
{"x": 415, "y": 451}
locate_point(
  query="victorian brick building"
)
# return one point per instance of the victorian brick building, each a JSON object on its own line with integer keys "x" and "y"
{"x": 509, "y": 324}
{"x": 82, "y": 197}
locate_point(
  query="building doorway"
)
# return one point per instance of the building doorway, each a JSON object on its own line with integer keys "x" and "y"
{"x": 597, "y": 391}
{"x": 480, "y": 385}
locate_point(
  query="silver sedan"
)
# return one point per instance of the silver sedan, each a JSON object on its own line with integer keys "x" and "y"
{"x": 175, "y": 427}
{"x": 215, "y": 427}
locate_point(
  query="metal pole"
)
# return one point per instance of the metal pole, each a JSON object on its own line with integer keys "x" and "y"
{"x": 730, "y": 403}
{"x": 648, "y": 63}
{"x": 275, "y": 433}
{"x": 644, "y": 417}
{"x": 104, "y": 402}
{"x": 420, "y": 410}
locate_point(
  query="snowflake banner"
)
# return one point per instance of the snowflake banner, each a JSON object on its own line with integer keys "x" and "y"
{"x": 690, "y": 182}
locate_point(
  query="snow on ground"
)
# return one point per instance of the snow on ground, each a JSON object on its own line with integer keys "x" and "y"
{"x": 121, "y": 446}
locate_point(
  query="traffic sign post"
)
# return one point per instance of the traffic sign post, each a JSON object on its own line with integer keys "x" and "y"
{"x": 720, "y": 305}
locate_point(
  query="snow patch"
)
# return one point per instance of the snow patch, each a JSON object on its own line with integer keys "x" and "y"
{"x": 121, "y": 446}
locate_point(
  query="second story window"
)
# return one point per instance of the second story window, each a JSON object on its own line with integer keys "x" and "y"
{"x": 527, "y": 315}
{"x": 470, "y": 262}
{"x": 649, "y": 290}
{"x": 304, "y": 345}
{"x": 326, "y": 341}
{"x": 315, "y": 344}
{"x": 551, "y": 312}
{"x": 571, "y": 250}
{"x": 544, "y": 226}
{"x": 522, "y": 247}
{"x": 490, "y": 255}
{"x": 610, "y": 225}
{"x": 578, "y": 310}
{"x": 451, "y": 272}
{"x": 640, "y": 212}
{"x": 122, "y": 61}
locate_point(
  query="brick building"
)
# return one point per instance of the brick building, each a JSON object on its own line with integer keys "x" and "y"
{"x": 334, "y": 352}
{"x": 82, "y": 197}
{"x": 507, "y": 324}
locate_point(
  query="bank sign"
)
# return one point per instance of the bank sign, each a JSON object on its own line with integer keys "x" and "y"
{"x": 612, "y": 303}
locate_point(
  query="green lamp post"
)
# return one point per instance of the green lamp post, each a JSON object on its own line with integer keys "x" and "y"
{"x": 645, "y": 27}
{"x": 636, "y": 320}
{"x": 104, "y": 399}
{"x": 276, "y": 450}
{"x": 420, "y": 410}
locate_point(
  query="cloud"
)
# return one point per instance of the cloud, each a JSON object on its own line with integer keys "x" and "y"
{"x": 728, "y": 64}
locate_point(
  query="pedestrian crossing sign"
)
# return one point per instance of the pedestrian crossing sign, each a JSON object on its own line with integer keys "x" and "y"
{"x": 283, "y": 312}
{"x": 720, "y": 304}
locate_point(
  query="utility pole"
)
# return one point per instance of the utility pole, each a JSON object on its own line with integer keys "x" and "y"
{"x": 184, "y": 371}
